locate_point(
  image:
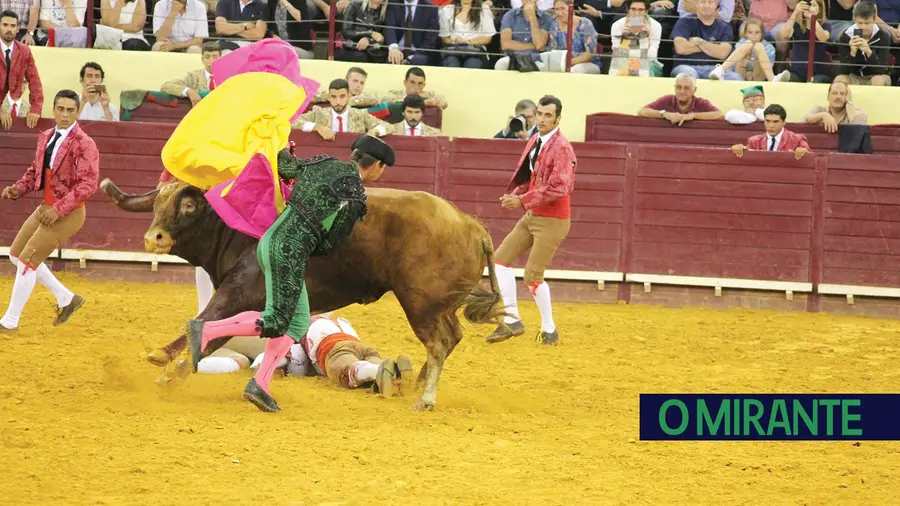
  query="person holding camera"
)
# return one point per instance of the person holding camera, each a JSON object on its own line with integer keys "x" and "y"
{"x": 95, "y": 104}
{"x": 633, "y": 37}
{"x": 864, "y": 49}
{"x": 520, "y": 126}
{"x": 796, "y": 30}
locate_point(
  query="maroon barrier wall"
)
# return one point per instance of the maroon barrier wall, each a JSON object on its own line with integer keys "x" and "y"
{"x": 611, "y": 127}
{"x": 637, "y": 208}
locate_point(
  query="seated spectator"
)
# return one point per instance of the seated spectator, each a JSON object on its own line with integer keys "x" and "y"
{"x": 18, "y": 73}
{"x": 27, "y": 12}
{"x": 356, "y": 78}
{"x": 752, "y": 57}
{"x": 524, "y": 125}
{"x": 197, "y": 83}
{"x": 776, "y": 138}
{"x": 243, "y": 21}
{"x": 363, "y": 31}
{"x": 864, "y": 49}
{"x": 701, "y": 42}
{"x": 839, "y": 111}
{"x": 841, "y": 15}
{"x": 585, "y": 59}
{"x": 412, "y": 32}
{"x": 635, "y": 43}
{"x": 771, "y": 13}
{"x": 754, "y": 102}
{"x": 796, "y": 30}
{"x": 467, "y": 27}
{"x": 683, "y": 106}
{"x": 289, "y": 21}
{"x": 340, "y": 118}
{"x": 724, "y": 9}
{"x": 129, "y": 16}
{"x": 544, "y": 5}
{"x": 524, "y": 34}
{"x": 180, "y": 26}
{"x": 414, "y": 84}
{"x": 95, "y": 104}
{"x": 412, "y": 125}
{"x": 60, "y": 14}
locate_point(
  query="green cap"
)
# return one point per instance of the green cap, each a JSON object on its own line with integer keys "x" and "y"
{"x": 750, "y": 91}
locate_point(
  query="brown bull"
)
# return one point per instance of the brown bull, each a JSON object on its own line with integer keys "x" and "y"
{"x": 421, "y": 247}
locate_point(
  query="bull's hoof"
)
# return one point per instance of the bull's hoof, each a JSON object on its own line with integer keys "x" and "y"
{"x": 259, "y": 397}
{"x": 421, "y": 405}
{"x": 176, "y": 376}
{"x": 195, "y": 339}
{"x": 159, "y": 357}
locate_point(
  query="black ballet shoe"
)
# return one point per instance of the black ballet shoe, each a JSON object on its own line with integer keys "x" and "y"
{"x": 262, "y": 400}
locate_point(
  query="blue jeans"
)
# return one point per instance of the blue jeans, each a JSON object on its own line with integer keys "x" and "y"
{"x": 470, "y": 62}
{"x": 702, "y": 72}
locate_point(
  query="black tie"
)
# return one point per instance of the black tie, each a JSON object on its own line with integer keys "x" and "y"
{"x": 534, "y": 157}
{"x": 407, "y": 40}
{"x": 48, "y": 153}
{"x": 772, "y": 145}
{"x": 8, "y": 69}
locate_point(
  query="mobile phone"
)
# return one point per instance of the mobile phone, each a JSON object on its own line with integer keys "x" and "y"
{"x": 636, "y": 21}
{"x": 857, "y": 32}
{"x": 100, "y": 89}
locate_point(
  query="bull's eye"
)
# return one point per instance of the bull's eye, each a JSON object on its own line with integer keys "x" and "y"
{"x": 188, "y": 206}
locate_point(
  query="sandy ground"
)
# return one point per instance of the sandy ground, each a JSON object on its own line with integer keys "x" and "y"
{"x": 83, "y": 423}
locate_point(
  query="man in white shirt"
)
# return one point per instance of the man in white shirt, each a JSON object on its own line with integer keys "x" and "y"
{"x": 180, "y": 25}
{"x": 339, "y": 117}
{"x": 413, "y": 109}
{"x": 754, "y": 104}
{"x": 95, "y": 104}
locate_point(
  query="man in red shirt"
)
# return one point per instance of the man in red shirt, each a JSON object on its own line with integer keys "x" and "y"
{"x": 776, "y": 138}
{"x": 66, "y": 171}
{"x": 544, "y": 178}
{"x": 683, "y": 105}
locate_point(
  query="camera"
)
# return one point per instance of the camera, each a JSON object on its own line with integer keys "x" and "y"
{"x": 518, "y": 124}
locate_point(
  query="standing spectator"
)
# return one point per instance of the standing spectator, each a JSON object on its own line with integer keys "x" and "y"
{"x": 724, "y": 8}
{"x": 363, "y": 29}
{"x": 180, "y": 26}
{"x": 585, "y": 59}
{"x": 776, "y": 138}
{"x": 467, "y": 27}
{"x": 17, "y": 68}
{"x": 412, "y": 32}
{"x": 290, "y": 22}
{"x": 95, "y": 104}
{"x": 635, "y": 43}
{"x": 28, "y": 12}
{"x": 839, "y": 111}
{"x": 796, "y": 30}
{"x": 414, "y": 84}
{"x": 130, "y": 16}
{"x": 412, "y": 125}
{"x": 245, "y": 19}
{"x": 753, "y": 56}
{"x": 841, "y": 16}
{"x": 197, "y": 81}
{"x": 60, "y": 14}
{"x": 701, "y": 42}
{"x": 754, "y": 101}
{"x": 864, "y": 49}
{"x": 525, "y": 122}
{"x": 683, "y": 106}
{"x": 356, "y": 78}
{"x": 524, "y": 33}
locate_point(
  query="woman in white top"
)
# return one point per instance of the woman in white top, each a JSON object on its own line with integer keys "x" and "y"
{"x": 60, "y": 14}
{"x": 130, "y": 16}
{"x": 467, "y": 27}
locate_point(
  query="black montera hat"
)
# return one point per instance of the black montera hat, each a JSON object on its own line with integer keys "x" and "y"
{"x": 376, "y": 147}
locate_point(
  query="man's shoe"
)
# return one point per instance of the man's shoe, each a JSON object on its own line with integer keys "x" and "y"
{"x": 384, "y": 378}
{"x": 8, "y": 332}
{"x": 548, "y": 337}
{"x": 502, "y": 333}
{"x": 404, "y": 379}
{"x": 63, "y": 313}
{"x": 195, "y": 340}
{"x": 259, "y": 397}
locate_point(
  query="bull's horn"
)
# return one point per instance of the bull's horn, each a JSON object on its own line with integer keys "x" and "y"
{"x": 140, "y": 203}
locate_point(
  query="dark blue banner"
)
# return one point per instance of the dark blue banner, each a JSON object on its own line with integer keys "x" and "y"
{"x": 770, "y": 417}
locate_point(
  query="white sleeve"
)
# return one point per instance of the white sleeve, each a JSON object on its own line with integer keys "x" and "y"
{"x": 114, "y": 111}
{"x": 760, "y": 115}
{"x": 382, "y": 131}
{"x": 46, "y": 6}
{"x": 309, "y": 126}
{"x": 736, "y": 117}
{"x": 299, "y": 361}
{"x": 655, "y": 38}
{"x": 444, "y": 21}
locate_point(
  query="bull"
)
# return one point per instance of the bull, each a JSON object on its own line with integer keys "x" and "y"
{"x": 417, "y": 245}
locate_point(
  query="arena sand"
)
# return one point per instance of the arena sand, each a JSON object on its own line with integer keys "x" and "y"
{"x": 517, "y": 423}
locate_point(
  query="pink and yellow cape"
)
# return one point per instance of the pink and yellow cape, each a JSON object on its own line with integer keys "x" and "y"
{"x": 228, "y": 144}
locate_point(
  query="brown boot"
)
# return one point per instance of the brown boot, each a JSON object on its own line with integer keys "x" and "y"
{"x": 506, "y": 331}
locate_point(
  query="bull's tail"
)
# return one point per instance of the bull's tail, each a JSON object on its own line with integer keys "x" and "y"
{"x": 480, "y": 305}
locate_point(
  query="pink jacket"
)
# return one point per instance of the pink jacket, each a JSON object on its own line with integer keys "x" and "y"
{"x": 546, "y": 192}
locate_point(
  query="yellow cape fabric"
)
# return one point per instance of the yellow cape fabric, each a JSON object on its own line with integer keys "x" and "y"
{"x": 249, "y": 113}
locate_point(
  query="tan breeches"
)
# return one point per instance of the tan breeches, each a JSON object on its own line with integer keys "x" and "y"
{"x": 542, "y": 235}
{"x": 342, "y": 357}
{"x": 243, "y": 349}
{"x": 34, "y": 242}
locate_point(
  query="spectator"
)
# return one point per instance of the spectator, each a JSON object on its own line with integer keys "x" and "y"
{"x": 864, "y": 49}
{"x": 524, "y": 33}
{"x": 772, "y": 13}
{"x": 796, "y": 30}
{"x": 363, "y": 26}
{"x": 702, "y": 41}
{"x": 683, "y": 106}
{"x": 197, "y": 83}
{"x": 635, "y": 43}
{"x": 841, "y": 16}
{"x": 28, "y": 12}
{"x": 585, "y": 59}
{"x": 245, "y": 19}
{"x": 524, "y": 125}
{"x": 180, "y": 26}
{"x": 753, "y": 56}
{"x": 340, "y": 118}
{"x": 776, "y": 138}
{"x": 60, "y": 14}
{"x": 724, "y": 9}
{"x": 356, "y": 78}
{"x": 840, "y": 110}
{"x": 754, "y": 102}
{"x": 95, "y": 104}
{"x": 414, "y": 84}
{"x": 412, "y": 32}
{"x": 544, "y": 5}
{"x": 412, "y": 125}
{"x": 17, "y": 70}
{"x": 467, "y": 27}
{"x": 129, "y": 16}
{"x": 289, "y": 21}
